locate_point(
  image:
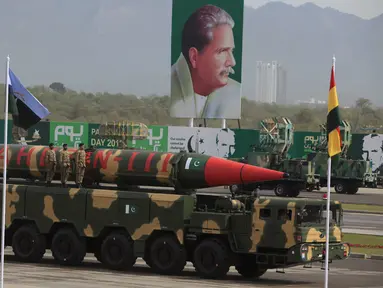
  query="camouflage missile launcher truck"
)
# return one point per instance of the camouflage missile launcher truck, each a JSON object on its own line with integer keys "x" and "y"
{"x": 126, "y": 168}
{"x": 276, "y": 138}
{"x": 347, "y": 175}
{"x": 214, "y": 232}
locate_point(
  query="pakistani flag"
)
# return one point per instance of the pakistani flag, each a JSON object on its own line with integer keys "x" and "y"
{"x": 194, "y": 163}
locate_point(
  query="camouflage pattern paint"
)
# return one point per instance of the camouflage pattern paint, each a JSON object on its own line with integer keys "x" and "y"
{"x": 247, "y": 225}
{"x": 345, "y": 168}
{"x": 97, "y": 209}
{"x": 149, "y": 168}
{"x": 250, "y": 225}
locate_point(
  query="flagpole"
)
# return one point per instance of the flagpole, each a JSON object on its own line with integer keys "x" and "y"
{"x": 328, "y": 206}
{"x": 5, "y": 170}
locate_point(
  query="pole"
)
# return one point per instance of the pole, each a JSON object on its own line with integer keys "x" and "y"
{"x": 223, "y": 125}
{"x": 328, "y": 206}
{"x": 191, "y": 122}
{"x": 4, "y": 170}
{"x": 328, "y": 218}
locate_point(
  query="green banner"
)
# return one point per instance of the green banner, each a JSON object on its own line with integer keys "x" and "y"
{"x": 157, "y": 140}
{"x": 205, "y": 68}
{"x": 98, "y": 142}
{"x": 9, "y": 134}
{"x": 39, "y": 134}
{"x": 303, "y": 143}
{"x": 71, "y": 133}
{"x": 244, "y": 140}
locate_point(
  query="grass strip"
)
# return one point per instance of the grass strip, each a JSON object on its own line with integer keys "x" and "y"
{"x": 363, "y": 207}
{"x": 366, "y": 244}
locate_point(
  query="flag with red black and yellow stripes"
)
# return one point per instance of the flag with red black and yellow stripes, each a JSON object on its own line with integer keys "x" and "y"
{"x": 334, "y": 140}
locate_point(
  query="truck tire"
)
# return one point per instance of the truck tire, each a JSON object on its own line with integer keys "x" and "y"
{"x": 352, "y": 190}
{"x": 250, "y": 271}
{"x": 211, "y": 259}
{"x": 117, "y": 251}
{"x": 67, "y": 248}
{"x": 167, "y": 256}
{"x": 340, "y": 188}
{"x": 294, "y": 192}
{"x": 28, "y": 244}
{"x": 280, "y": 190}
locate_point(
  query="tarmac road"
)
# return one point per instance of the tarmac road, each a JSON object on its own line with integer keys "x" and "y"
{"x": 350, "y": 273}
{"x": 364, "y": 196}
{"x": 363, "y": 223}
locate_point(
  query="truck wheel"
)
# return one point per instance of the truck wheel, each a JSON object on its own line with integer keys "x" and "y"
{"x": 28, "y": 244}
{"x": 250, "y": 271}
{"x": 340, "y": 188}
{"x": 211, "y": 259}
{"x": 352, "y": 190}
{"x": 67, "y": 248}
{"x": 117, "y": 251}
{"x": 280, "y": 190}
{"x": 294, "y": 192}
{"x": 167, "y": 256}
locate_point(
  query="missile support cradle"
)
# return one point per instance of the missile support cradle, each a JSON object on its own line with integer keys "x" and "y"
{"x": 214, "y": 232}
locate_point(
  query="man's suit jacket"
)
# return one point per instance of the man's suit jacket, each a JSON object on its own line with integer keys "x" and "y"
{"x": 223, "y": 103}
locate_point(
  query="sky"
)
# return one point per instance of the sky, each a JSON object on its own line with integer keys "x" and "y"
{"x": 366, "y": 9}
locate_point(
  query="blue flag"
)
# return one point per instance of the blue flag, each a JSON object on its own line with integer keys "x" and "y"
{"x": 26, "y": 110}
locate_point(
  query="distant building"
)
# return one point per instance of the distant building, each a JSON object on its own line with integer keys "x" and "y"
{"x": 270, "y": 83}
{"x": 312, "y": 101}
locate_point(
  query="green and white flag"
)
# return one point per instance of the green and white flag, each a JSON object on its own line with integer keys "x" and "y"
{"x": 131, "y": 209}
{"x": 194, "y": 163}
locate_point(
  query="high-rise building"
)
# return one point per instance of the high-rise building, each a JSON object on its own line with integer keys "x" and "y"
{"x": 270, "y": 83}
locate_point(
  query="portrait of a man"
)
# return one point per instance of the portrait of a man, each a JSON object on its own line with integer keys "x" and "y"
{"x": 373, "y": 150}
{"x": 201, "y": 86}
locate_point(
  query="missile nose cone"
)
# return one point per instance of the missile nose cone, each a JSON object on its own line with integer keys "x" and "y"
{"x": 223, "y": 172}
{"x": 252, "y": 174}
{"x": 286, "y": 175}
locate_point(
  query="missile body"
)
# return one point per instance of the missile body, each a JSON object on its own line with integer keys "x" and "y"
{"x": 139, "y": 167}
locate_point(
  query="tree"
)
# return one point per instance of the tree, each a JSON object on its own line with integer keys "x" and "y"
{"x": 58, "y": 87}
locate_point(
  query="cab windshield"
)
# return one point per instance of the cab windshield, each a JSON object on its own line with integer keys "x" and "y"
{"x": 316, "y": 214}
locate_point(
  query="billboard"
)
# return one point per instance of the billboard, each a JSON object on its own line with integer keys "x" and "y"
{"x": 209, "y": 141}
{"x": 70, "y": 133}
{"x": 157, "y": 140}
{"x": 38, "y": 134}
{"x": 368, "y": 147}
{"x": 100, "y": 142}
{"x": 9, "y": 134}
{"x": 206, "y": 59}
{"x": 304, "y": 143}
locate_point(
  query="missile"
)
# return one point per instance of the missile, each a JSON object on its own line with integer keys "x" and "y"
{"x": 139, "y": 168}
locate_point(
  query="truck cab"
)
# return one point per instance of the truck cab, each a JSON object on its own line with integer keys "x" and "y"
{"x": 259, "y": 233}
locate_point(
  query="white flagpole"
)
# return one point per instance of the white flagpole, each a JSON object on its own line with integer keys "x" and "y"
{"x": 5, "y": 170}
{"x": 328, "y": 206}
